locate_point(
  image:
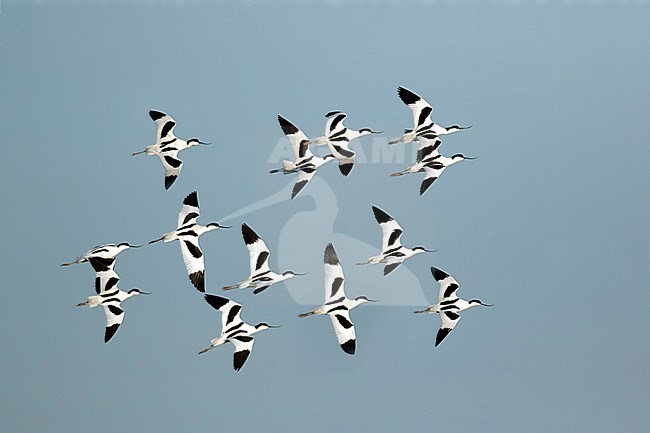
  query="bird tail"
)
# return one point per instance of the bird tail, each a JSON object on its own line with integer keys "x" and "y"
{"x": 301, "y": 315}
{"x": 79, "y": 260}
{"x": 81, "y": 304}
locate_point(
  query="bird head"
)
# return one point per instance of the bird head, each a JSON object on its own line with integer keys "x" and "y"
{"x": 214, "y": 226}
{"x": 460, "y": 157}
{"x": 262, "y": 326}
{"x": 418, "y": 250}
{"x": 456, "y": 128}
{"x": 195, "y": 141}
{"x": 362, "y": 299}
{"x": 367, "y": 131}
{"x": 477, "y": 302}
{"x": 135, "y": 291}
{"x": 291, "y": 274}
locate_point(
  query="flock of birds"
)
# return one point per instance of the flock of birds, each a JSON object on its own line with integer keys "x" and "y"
{"x": 336, "y": 304}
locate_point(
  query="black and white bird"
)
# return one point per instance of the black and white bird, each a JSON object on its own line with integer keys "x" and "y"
{"x": 338, "y": 137}
{"x": 111, "y": 301}
{"x": 433, "y": 164}
{"x": 261, "y": 276}
{"x": 392, "y": 251}
{"x": 187, "y": 234}
{"x": 167, "y": 146}
{"x": 305, "y": 163}
{"x": 422, "y": 118}
{"x": 102, "y": 259}
{"x": 449, "y": 304}
{"x": 234, "y": 329}
{"x": 337, "y": 306}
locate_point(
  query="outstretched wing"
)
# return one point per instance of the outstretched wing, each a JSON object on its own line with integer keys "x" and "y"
{"x": 449, "y": 320}
{"x": 165, "y": 124}
{"x": 344, "y": 155}
{"x": 172, "y": 165}
{"x": 297, "y": 139}
{"x": 190, "y": 210}
{"x": 390, "y": 229}
{"x": 421, "y": 109}
{"x": 243, "y": 348}
{"x": 257, "y": 249}
{"x": 303, "y": 179}
{"x": 230, "y": 311}
{"x": 106, "y": 281}
{"x": 193, "y": 259}
{"x": 448, "y": 285}
{"x": 334, "y": 126}
{"x": 344, "y": 329}
{"x": 114, "y": 318}
{"x": 433, "y": 172}
{"x": 334, "y": 279}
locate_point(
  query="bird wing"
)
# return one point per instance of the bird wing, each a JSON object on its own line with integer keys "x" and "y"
{"x": 334, "y": 124}
{"x": 448, "y": 285}
{"x": 344, "y": 155}
{"x": 421, "y": 109}
{"x": 114, "y": 318}
{"x": 391, "y": 230}
{"x": 171, "y": 164}
{"x": 193, "y": 258}
{"x": 433, "y": 171}
{"x": 190, "y": 210}
{"x": 257, "y": 249}
{"x": 243, "y": 348}
{"x": 344, "y": 329}
{"x": 334, "y": 279}
{"x": 165, "y": 124}
{"x": 449, "y": 320}
{"x": 230, "y": 311}
{"x": 297, "y": 139}
{"x": 303, "y": 179}
{"x": 106, "y": 281}
{"x": 428, "y": 148}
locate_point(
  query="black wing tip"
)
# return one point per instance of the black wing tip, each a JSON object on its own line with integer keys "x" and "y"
{"x": 349, "y": 346}
{"x": 297, "y": 188}
{"x": 250, "y": 237}
{"x": 155, "y": 115}
{"x": 380, "y": 215}
{"x": 426, "y": 183}
{"x": 332, "y": 113}
{"x": 330, "y": 257}
{"x": 239, "y": 358}
{"x": 216, "y": 301}
{"x": 192, "y": 199}
{"x": 198, "y": 280}
{"x": 407, "y": 96}
{"x": 287, "y": 127}
{"x": 390, "y": 268}
{"x": 438, "y": 274}
{"x": 110, "y": 331}
{"x": 169, "y": 181}
{"x": 442, "y": 333}
{"x": 346, "y": 168}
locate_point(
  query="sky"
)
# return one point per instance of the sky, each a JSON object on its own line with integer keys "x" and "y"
{"x": 550, "y": 223}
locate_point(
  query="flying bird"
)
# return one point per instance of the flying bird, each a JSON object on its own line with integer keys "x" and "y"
{"x": 111, "y": 301}
{"x": 433, "y": 165}
{"x": 102, "y": 259}
{"x": 167, "y": 146}
{"x": 188, "y": 233}
{"x": 338, "y": 137}
{"x": 234, "y": 330}
{"x": 421, "y": 117}
{"x": 392, "y": 251}
{"x": 337, "y": 306}
{"x": 305, "y": 163}
{"x": 261, "y": 277}
{"x": 449, "y": 304}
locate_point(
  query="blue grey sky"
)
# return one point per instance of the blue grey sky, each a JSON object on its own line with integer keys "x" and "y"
{"x": 550, "y": 223}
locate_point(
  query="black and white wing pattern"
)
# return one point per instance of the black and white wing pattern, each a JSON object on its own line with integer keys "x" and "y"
{"x": 304, "y": 176}
{"x": 391, "y": 230}
{"x": 433, "y": 171}
{"x": 428, "y": 148}
{"x": 335, "y": 293}
{"x": 447, "y": 294}
{"x": 258, "y": 251}
{"x": 106, "y": 281}
{"x": 421, "y": 109}
{"x": 230, "y": 312}
{"x": 334, "y": 127}
{"x": 166, "y": 125}
{"x": 243, "y": 347}
{"x": 190, "y": 210}
{"x": 343, "y": 154}
{"x": 114, "y": 318}
{"x": 189, "y": 240}
{"x": 171, "y": 163}
{"x": 297, "y": 139}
